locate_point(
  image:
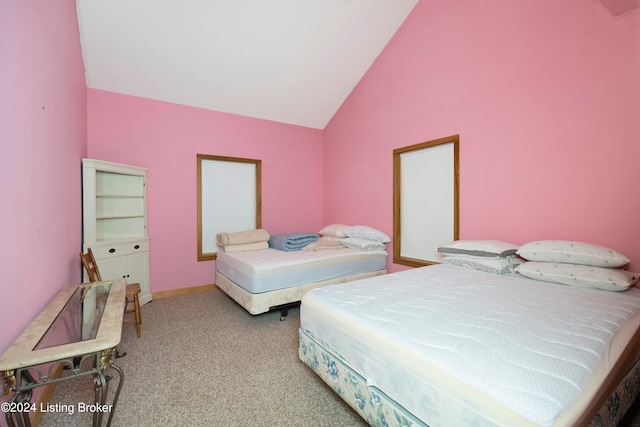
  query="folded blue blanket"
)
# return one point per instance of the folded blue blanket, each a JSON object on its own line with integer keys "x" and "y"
{"x": 291, "y": 241}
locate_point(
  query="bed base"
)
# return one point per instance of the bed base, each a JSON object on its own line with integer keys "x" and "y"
{"x": 279, "y": 298}
{"x": 377, "y": 409}
{"x": 614, "y": 411}
{"x": 284, "y": 308}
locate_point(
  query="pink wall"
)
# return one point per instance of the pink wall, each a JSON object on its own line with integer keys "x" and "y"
{"x": 42, "y": 139}
{"x": 545, "y": 96}
{"x": 165, "y": 138}
{"x": 546, "y": 99}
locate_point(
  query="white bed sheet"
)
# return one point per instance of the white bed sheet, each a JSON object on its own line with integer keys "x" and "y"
{"x": 272, "y": 269}
{"x": 506, "y": 349}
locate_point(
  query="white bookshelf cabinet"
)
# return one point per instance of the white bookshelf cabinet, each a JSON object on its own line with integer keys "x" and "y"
{"x": 114, "y": 217}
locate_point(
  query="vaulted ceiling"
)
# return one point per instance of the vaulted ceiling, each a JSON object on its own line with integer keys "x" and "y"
{"x": 291, "y": 61}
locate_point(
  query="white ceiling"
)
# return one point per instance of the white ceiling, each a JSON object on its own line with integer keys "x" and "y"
{"x": 291, "y": 61}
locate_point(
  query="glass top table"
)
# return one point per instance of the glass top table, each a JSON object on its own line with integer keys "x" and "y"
{"x": 78, "y": 331}
{"x": 80, "y": 318}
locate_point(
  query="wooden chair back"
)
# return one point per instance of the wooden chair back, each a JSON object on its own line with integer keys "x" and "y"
{"x": 89, "y": 263}
{"x": 133, "y": 289}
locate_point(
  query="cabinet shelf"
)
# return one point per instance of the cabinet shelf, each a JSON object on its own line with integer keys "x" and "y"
{"x": 118, "y": 217}
{"x": 118, "y": 196}
{"x": 117, "y": 241}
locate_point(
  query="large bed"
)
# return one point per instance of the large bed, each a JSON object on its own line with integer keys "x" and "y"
{"x": 446, "y": 345}
{"x": 272, "y": 279}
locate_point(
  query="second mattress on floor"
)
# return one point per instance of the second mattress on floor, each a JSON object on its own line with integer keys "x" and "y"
{"x": 271, "y": 269}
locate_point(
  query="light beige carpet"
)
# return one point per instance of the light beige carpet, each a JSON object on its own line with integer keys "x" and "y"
{"x": 204, "y": 361}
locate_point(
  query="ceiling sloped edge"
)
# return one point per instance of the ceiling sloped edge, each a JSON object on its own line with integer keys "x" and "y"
{"x": 117, "y": 49}
{"x": 622, "y": 7}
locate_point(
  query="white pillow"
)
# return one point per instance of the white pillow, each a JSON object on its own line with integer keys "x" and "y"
{"x": 583, "y": 276}
{"x": 495, "y": 265}
{"x": 334, "y": 230}
{"x": 572, "y": 253}
{"x": 369, "y": 233}
{"x": 487, "y": 248}
{"x": 362, "y": 244}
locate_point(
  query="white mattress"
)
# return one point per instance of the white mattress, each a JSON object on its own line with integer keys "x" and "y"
{"x": 271, "y": 269}
{"x": 503, "y": 349}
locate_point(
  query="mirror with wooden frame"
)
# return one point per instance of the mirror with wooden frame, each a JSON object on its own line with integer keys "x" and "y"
{"x": 229, "y": 199}
{"x": 425, "y": 200}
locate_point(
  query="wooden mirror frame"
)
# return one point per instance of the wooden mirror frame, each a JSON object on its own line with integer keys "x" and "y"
{"x": 401, "y": 194}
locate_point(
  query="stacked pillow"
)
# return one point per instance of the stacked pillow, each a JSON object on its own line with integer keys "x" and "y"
{"x": 492, "y": 256}
{"x": 359, "y": 237}
{"x": 576, "y": 264}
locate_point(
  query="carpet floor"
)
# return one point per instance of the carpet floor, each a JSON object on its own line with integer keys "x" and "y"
{"x": 204, "y": 361}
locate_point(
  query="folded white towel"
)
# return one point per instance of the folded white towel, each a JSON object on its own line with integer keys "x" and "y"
{"x": 242, "y": 237}
{"x": 255, "y": 246}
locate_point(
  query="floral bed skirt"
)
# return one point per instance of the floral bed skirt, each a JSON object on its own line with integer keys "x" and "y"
{"x": 372, "y": 405}
{"x": 380, "y": 410}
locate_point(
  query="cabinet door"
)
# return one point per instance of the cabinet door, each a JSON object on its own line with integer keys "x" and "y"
{"x": 138, "y": 272}
{"x": 113, "y": 268}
